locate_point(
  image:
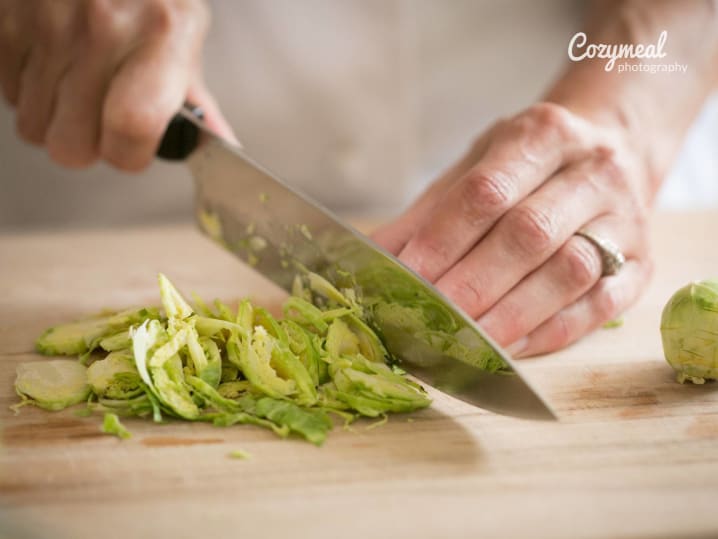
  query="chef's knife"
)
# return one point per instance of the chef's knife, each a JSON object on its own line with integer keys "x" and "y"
{"x": 279, "y": 231}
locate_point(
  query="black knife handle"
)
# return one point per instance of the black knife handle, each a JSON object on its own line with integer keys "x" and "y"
{"x": 181, "y": 136}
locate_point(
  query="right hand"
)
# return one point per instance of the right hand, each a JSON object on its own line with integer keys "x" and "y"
{"x": 100, "y": 79}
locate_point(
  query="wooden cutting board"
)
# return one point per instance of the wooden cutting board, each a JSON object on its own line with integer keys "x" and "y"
{"x": 634, "y": 455}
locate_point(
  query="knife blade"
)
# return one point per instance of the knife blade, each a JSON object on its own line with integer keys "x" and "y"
{"x": 279, "y": 231}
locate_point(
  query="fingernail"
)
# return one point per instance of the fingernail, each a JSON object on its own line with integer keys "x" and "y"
{"x": 516, "y": 347}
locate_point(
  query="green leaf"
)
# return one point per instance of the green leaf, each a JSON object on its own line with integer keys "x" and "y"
{"x": 212, "y": 396}
{"x": 215, "y": 366}
{"x": 115, "y": 377}
{"x": 302, "y": 345}
{"x": 240, "y": 454}
{"x": 312, "y": 424}
{"x": 253, "y": 357}
{"x": 112, "y": 425}
{"x": 118, "y": 341}
{"x": 85, "y": 335}
{"x": 175, "y": 306}
{"x": 305, "y": 314}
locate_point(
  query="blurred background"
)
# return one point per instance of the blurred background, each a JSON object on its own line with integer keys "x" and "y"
{"x": 360, "y": 103}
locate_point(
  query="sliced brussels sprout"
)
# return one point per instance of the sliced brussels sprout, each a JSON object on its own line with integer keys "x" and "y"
{"x": 253, "y": 357}
{"x": 84, "y": 336}
{"x": 115, "y": 377}
{"x": 52, "y": 385}
{"x": 211, "y": 365}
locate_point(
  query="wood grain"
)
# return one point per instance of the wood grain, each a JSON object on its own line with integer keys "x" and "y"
{"x": 634, "y": 455}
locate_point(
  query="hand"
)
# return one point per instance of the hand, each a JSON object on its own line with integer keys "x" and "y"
{"x": 100, "y": 79}
{"x": 496, "y": 233}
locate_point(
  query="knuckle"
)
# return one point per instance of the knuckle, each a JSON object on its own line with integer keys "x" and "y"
{"x": 106, "y": 23}
{"x": 136, "y": 124}
{"x": 161, "y": 17}
{"x": 611, "y": 169}
{"x": 431, "y": 251}
{"x": 550, "y": 114}
{"x": 468, "y": 293}
{"x": 165, "y": 16}
{"x": 533, "y": 230}
{"x": 486, "y": 195}
{"x": 551, "y": 119}
{"x": 583, "y": 263}
{"x": 520, "y": 127}
{"x": 471, "y": 295}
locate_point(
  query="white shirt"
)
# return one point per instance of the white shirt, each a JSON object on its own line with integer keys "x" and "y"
{"x": 360, "y": 103}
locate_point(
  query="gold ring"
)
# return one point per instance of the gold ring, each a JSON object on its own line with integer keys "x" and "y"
{"x": 612, "y": 259}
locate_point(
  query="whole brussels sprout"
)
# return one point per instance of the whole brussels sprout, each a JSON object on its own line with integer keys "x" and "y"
{"x": 689, "y": 329}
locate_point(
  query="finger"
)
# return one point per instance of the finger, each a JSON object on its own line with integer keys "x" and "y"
{"x": 626, "y": 230}
{"x": 10, "y": 75}
{"x": 47, "y": 62}
{"x": 526, "y": 237}
{"x": 605, "y": 301}
{"x": 519, "y": 159}
{"x": 394, "y": 236}
{"x": 14, "y": 51}
{"x": 107, "y": 34}
{"x": 565, "y": 277}
{"x": 150, "y": 86}
{"x": 36, "y": 94}
{"x": 72, "y": 138}
{"x": 148, "y": 89}
{"x": 200, "y": 95}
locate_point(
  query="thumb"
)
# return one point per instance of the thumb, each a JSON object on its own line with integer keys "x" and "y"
{"x": 198, "y": 94}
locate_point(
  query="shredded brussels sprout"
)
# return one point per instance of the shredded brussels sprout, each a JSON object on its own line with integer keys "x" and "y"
{"x": 226, "y": 365}
{"x": 112, "y": 425}
{"x": 240, "y": 454}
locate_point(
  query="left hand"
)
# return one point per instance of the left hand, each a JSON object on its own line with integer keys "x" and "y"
{"x": 496, "y": 233}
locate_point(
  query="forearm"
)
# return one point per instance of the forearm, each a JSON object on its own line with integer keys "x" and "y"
{"x": 656, "y": 108}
